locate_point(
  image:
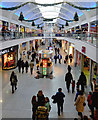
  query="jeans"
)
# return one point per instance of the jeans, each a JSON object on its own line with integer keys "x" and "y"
{"x": 60, "y": 107}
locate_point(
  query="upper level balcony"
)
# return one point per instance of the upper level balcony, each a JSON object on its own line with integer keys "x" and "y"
{"x": 90, "y": 38}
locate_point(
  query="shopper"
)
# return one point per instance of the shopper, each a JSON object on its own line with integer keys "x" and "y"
{"x": 31, "y": 66}
{"x": 47, "y": 104}
{"x": 26, "y": 66}
{"x": 59, "y": 57}
{"x": 68, "y": 79}
{"x": 69, "y": 68}
{"x": 80, "y": 104}
{"x": 13, "y": 80}
{"x": 55, "y": 58}
{"x": 59, "y": 100}
{"x": 77, "y": 94}
{"x": 34, "y": 107}
{"x": 40, "y": 97}
{"x": 66, "y": 58}
{"x": 89, "y": 100}
{"x": 19, "y": 65}
{"x": 73, "y": 86}
{"x": 82, "y": 81}
{"x": 22, "y": 64}
{"x": 70, "y": 57}
{"x": 94, "y": 98}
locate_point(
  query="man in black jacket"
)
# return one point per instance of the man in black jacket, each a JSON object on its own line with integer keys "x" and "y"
{"x": 60, "y": 100}
{"x": 68, "y": 79}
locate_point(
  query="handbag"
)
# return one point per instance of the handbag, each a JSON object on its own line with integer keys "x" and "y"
{"x": 84, "y": 104}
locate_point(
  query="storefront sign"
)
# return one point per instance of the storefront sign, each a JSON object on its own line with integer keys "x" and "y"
{"x": 83, "y": 49}
{"x": 44, "y": 67}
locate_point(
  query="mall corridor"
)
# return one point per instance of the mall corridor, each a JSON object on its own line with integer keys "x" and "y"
{"x": 18, "y": 105}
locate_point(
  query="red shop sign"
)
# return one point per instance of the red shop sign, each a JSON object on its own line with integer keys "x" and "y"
{"x": 83, "y": 49}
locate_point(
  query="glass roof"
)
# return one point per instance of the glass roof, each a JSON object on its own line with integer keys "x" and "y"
{"x": 51, "y": 11}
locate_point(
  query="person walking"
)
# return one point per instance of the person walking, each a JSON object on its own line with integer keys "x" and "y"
{"x": 26, "y": 66}
{"x": 13, "y": 80}
{"x": 40, "y": 97}
{"x": 22, "y": 65}
{"x": 66, "y": 58}
{"x": 69, "y": 68}
{"x": 59, "y": 57}
{"x": 47, "y": 104}
{"x": 60, "y": 100}
{"x": 94, "y": 99}
{"x": 80, "y": 104}
{"x": 82, "y": 81}
{"x": 89, "y": 100}
{"x": 73, "y": 86}
{"x": 19, "y": 65}
{"x": 34, "y": 107}
{"x": 70, "y": 57}
{"x": 68, "y": 79}
{"x": 31, "y": 66}
{"x": 55, "y": 57}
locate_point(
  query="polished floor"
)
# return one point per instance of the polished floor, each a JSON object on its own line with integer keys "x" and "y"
{"x": 18, "y": 105}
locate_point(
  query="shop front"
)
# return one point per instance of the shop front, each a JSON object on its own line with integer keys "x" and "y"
{"x": 9, "y": 58}
{"x": 23, "y": 50}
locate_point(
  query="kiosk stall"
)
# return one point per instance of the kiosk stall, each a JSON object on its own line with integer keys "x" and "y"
{"x": 45, "y": 64}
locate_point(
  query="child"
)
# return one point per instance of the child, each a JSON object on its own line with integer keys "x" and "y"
{"x": 73, "y": 86}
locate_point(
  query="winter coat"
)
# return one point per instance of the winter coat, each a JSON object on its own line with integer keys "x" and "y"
{"x": 31, "y": 64}
{"x": 60, "y": 97}
{"x": 41, "y": 99}
{"x": 79, "y": 103}
{"x": 68, "y": 78}
{"x": 13, "y": 79}
{"x": 89, "y": 100}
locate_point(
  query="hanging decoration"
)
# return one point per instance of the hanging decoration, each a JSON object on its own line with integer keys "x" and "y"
{"x": 41, "y": 28}
{"x": 60, "y": 28}
{"x": 76, "y": 18}
{"x": 38, "y": 26}
{"x": 21, "y": 17}
{"x": 33, "y": 24}
{"x": 46, "y": 5}
{"x": 66, "y": 24}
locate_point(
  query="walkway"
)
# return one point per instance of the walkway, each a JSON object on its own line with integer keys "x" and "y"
{"x": 18, "y": 105}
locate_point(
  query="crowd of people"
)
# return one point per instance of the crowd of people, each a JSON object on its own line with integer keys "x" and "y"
{"x": 41, "y": 105}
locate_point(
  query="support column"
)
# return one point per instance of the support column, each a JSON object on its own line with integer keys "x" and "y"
{"x": 19, "y": 52}
{"x": 89, "y": 25}
{"x": 97, "y": 75}
{"x": 75, "y": 59}
{"x": 82, "y": 62}
{"x": 90, "y": 71}
{"x": 68, "y": 48}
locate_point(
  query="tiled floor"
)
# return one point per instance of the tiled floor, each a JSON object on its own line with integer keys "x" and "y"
{"x": 18, "y": 105}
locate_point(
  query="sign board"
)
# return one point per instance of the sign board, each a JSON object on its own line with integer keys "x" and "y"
{"x": 83, "y": 49}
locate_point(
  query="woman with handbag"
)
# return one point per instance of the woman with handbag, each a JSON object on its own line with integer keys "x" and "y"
{"x": 80, "y": 103}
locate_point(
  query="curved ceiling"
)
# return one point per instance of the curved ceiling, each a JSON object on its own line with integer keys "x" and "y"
{"x": 65, "y": 11}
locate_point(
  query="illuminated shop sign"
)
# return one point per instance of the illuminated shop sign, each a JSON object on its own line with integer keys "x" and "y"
{"x": 44, "y": 67}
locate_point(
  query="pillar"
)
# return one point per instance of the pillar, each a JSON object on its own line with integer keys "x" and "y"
{"x": 19, "y": 52}
{"x": 89, "y": 27}
{"x": 75, "y": 59}
{"x": 68, "y": 48}
{"x": 97, "y": 75}
{"x": 90, "y": 70}
{"x": 82, "y": 62}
